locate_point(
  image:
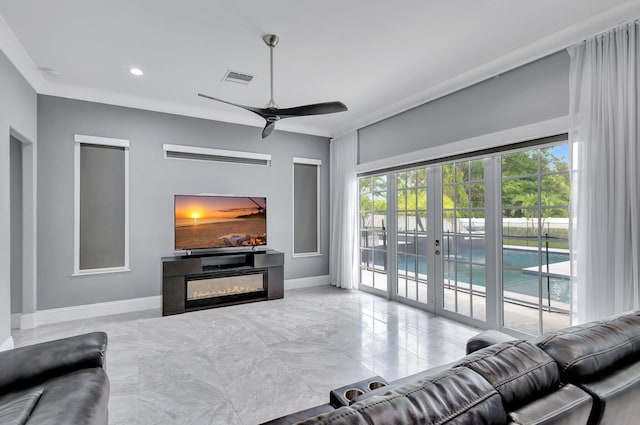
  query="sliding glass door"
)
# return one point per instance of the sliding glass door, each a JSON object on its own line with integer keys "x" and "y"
{"x": 463, "y": 238}
{"x": 482, "y": 239}
{"x": 536, "y": 288}
{"x": 412, "y": 235}
{"x": 373, "y": 233}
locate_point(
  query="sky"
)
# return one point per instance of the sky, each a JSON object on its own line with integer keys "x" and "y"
{"x": 215, "y": 206}
{"x": 562, "y": 151}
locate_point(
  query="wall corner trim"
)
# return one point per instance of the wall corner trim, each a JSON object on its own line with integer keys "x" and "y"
{"x": 18, "y": 56}
{"x": 7, "y": 344}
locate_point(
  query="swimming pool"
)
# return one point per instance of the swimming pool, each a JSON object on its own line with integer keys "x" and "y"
{"x": 514, "y": 260}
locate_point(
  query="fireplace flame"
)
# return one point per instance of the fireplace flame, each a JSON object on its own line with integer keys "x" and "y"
{"x": 196, "y": 295}
{"x": 222, "y": 286}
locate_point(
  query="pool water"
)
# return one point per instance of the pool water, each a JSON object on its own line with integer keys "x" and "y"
{"x": 517, "y": 281}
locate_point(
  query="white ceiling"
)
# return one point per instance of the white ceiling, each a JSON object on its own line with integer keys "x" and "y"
{"x": 378, "y": 57}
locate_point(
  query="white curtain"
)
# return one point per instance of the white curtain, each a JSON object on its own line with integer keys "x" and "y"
{"x": 343, "y": 219}
{"x": 605, "y": 210}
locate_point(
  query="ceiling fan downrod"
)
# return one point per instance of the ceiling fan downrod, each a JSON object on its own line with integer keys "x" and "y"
{"x": 271, "y": 40}
{"x": 271, "y": 113}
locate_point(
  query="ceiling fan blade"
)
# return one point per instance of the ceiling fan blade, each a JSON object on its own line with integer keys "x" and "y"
{"x": 270, "y": 112}
{"x": 268, "y": 129}
{"x": 315, "y": 109}
{"x": 264, "y": 113}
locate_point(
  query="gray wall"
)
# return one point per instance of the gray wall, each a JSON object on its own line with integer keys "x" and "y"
{"x": 15, "y": 200}
{"x": 535, "y": 92}
{"x": 17, "y": 114}
{"x": 153, "y": 182}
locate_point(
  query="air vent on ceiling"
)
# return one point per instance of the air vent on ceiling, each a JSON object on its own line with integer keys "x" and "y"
{"x": 237, "y": 77}
{"x": 219, "y": 155}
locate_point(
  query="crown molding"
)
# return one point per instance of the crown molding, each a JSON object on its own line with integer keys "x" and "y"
{"x": 138, "y": 102}
{"x": 18, "y": 56}
{"x": 545, "y": 46}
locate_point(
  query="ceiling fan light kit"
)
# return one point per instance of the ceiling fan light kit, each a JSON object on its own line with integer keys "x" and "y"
{"x": 271, "y": 113}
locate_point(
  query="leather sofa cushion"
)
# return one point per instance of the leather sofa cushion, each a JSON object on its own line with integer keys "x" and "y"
{"x": 616, "y": 397}
{"x": 77, "y": 398}
{"x": 50, "y": 359}
{"x": 16, "y": 407}
{"x": 632, "y": 328}
{"x": 567, "y": 406}
{"x": 458, "y": 396}
{"x": 593, "y": 349}
{"x": 518, "y": 370}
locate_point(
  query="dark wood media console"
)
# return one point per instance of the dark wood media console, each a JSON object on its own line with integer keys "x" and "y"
{"x": 201, "y": 281}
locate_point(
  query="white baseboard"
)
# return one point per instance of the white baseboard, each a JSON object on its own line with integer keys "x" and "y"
{"x": 28, "y": 321}
{"x": 15, "y": 320}
{"x": 306, "y": 282}
{"x": 7, "y": 345}
{"x": 87, "y": 311}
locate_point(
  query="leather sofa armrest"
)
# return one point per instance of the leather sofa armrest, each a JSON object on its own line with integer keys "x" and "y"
{"x": 485, "y": 339}
{"x": 568, "y": 405}
{"x": 33, "y": 364}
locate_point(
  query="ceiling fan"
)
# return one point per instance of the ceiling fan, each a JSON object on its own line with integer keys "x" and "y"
{"x": 271, "y": 113}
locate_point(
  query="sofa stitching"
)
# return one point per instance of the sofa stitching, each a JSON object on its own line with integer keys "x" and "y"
{"x": 583, "y": 328}
{"x": 467, "y": 407}
{"x": 33, "y": 409}
{"x": 571, "y": 331}
{"x": 531, "y": 369}
{"x": 509, "y": 344}
{"x": 586, "y": 356}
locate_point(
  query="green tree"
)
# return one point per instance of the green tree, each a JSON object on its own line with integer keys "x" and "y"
{"x": 529, "y": 206}
{"x": 520, "y": 183}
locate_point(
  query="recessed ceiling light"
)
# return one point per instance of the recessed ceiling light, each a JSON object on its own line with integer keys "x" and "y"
{"x": 136, "y": 71}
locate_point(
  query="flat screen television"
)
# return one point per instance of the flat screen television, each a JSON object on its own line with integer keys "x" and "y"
{"x": 214, "y": 222}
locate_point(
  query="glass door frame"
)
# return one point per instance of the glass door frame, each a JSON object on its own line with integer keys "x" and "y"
{"x": 372, "y": 251}
{"x": 435, "y": 276}
{"x": 490, "y": 289}
{"x": 432, "y": 264}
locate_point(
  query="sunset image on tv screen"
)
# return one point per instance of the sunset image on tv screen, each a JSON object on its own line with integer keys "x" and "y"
{"x": 203, "y": 222}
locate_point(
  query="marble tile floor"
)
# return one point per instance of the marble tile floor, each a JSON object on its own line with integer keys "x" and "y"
{"x": 250, "y": 363}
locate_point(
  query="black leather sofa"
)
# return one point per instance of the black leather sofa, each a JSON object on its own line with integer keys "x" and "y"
{"x": 586, "y": 374}
{"x": 55, "y": 382}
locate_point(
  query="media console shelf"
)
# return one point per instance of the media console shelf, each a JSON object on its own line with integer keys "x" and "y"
{"x": 195, "y": 282}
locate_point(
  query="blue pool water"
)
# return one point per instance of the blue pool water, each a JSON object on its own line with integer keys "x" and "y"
{"x": 515, "y": 279}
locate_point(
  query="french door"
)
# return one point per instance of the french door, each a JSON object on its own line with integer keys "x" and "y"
{"x": 411, "y": 238}
{"x": 482, "y": 240}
